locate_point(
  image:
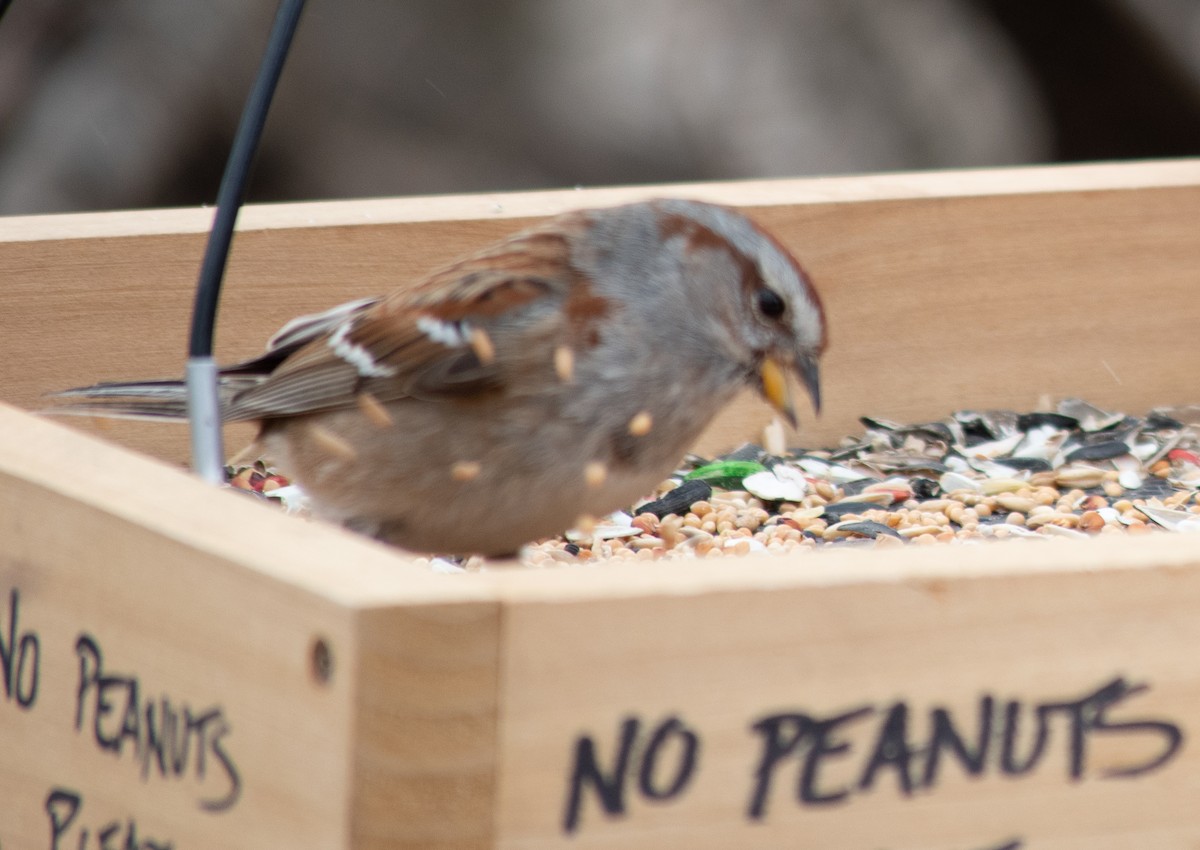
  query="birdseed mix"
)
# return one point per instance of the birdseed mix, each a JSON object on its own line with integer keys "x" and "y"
{"x": 1071, "y": 471}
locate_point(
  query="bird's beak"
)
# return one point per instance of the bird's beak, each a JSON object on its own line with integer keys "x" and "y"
{"x": 776, "y": 387}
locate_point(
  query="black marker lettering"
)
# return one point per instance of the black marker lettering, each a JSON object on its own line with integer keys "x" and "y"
{"x": 586, "y": 770}
{"x": 1009, "y": 762}
{"x": 62, "y": 806}
{"x": 20, "y": 658}
{"x": 892, "y": 750}
{"x": 782, "y": 734}
{"x": 822, "y": 747}
{"x": 1170, "y": 733}
{"x": 231, "y": 772}
{"x": 106, "y": 832}
{"x": 783, "y": 737}
{"x": 89, "y": 673}
{"x": 672, "y": 727}
{"x": 167, "y": 741}
{"x": 945, "y": 736}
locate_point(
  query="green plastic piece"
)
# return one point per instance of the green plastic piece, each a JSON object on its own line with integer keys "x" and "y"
{"x": 726, "y": 474}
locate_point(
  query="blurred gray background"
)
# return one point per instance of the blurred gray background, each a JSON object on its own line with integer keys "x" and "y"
{"x": 108, "y": 104}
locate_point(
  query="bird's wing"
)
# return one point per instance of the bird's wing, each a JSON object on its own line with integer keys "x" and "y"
{"x": 434, "y": 340}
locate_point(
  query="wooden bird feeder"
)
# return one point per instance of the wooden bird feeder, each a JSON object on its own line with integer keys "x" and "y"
{"x": 183, "y": 667}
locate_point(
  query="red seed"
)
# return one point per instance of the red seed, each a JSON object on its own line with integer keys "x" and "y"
{"x": 1184, "y": 455}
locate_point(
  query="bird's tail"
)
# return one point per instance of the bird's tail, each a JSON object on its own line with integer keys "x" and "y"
{"x": 157, "y": 401}
{"x": 166, "y": 401}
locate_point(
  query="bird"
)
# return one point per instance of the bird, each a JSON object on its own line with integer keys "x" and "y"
{"x": 555, "y": 376}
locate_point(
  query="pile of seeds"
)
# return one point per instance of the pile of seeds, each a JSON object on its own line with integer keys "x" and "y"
{"x": 1075, "y": 471}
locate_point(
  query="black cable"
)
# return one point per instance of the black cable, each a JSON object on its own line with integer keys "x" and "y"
{"x": 233, "y": 183}
{"x": 203, "y": 376}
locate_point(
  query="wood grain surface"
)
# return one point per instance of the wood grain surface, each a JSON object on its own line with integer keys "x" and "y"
{"x": 334, "y": 693}
{"x": 949, "y": 289}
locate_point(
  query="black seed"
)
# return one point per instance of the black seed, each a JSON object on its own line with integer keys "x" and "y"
{"x": 1099, "y": 451}
{"x": 911, "y": 465}
{"x": 868, "y": 528}
{"x": 879, "y": 424}
{"x": 680, "y": 500}
{"x": 571, "y": 549}
{"x": 985, "y": 425}
{"x": 838, "y": 510}
{"x": 1029, "y": 464}
{"x": 925, "y": 430}
{"x": 1151, "y": 488}
{"x": 850, "y": 541}
{"x": 746, "y": 451}
{"x": 1026, "y": 421}
{"x": 853, "y": 488}
{"x": 937, "y": 430}
{"x": 847, "y": 452}
{"x": 925, "y": 488}
{"x": 1161, "y": 422}
{"x": 1128, "y": 424}
{"x": 973, "y": 437}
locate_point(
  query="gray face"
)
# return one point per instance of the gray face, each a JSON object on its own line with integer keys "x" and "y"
{"x": 744, "y": 296}
{"x": 803, "y": 327}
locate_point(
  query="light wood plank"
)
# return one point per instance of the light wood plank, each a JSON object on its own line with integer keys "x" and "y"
{"x": 946, "y": 289}
{"x": 455, "y": 702}
{"x": 115, "y": 567}
{"x": 193, "y": 627}
{"x": 720, "y": 649}
{"x": 426, "y": 728}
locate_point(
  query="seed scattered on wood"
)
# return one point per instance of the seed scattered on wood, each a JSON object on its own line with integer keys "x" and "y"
{"x": 331, "y": 443}
{"x": 1099, "y": 451}
{"x": 482, "y": 345}
{"x": 917, "y": 531}
{"x": 839, "y": 510}
{"x": 466, "y": 470}
{"x": 641, "y": 423}
{"x": 866, "y": 528}
{"x": 374, "y": 410}
{"x": 688, "y": 496}
{"x": 924, "y": 484}
{"x": 1037, "y": 520}
{"x": 1083, "y": 477}
{"x": 1016, "y": 503}
{"x": 248, "y": 479}
{"x": 1055, "y": 530}
{"x": 671, "y": 531}
{"x": 564, "y": 363}
{"x": 773, "y": 437}
{"x": 595, "y": 474}
{"x": 995, "y": 486}
{"x": 648, "y": 541}
{"x": 586, "y": 523}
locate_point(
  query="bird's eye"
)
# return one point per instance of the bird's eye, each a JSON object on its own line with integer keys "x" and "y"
{"x": 770, "y": 303}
